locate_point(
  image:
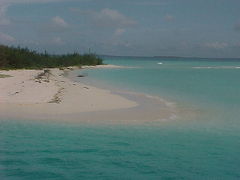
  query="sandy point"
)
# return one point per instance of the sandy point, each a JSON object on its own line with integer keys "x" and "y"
{"x": 49, "y": 95}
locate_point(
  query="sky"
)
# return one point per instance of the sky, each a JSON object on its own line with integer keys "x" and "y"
{"x": 192, "y": 28}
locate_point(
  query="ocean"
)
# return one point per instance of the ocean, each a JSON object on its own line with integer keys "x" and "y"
{"x": 203, "y": 146}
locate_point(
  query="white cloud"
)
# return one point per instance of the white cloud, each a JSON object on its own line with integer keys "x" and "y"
{"x": 5, "y": 38}
{"x": 55, "y": 25}
{"x": 107, "y": 18}
{"x": 216, "y": 45}
{"x": 113, "y": 18}
{"x": 4, "y": 4}
{"x": 60, "y": 22}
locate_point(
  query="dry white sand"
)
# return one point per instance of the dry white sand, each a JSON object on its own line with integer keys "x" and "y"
{"x": 23, "y": 95}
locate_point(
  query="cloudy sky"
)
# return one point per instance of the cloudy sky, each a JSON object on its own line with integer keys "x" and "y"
{"x": 206, "y": 28}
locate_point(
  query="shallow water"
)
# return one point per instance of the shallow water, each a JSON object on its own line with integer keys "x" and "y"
{"x": 206, "y": 147}
{"x": 215, "y": 92}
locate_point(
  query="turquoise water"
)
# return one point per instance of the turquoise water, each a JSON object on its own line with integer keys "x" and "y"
{"x": 206, "y": 85}
{"x": 205, "y": 147}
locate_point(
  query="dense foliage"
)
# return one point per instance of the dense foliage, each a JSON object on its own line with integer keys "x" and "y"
{"x": 17, "y": 58}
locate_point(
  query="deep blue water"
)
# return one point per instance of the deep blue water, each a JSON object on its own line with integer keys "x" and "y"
{"x": 205, "y": 147}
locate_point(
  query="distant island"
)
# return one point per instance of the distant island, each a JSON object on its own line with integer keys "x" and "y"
{"x": 23, "y": 58}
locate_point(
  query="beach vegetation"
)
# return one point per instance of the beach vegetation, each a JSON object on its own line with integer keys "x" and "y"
{"x": 23, "y": 58}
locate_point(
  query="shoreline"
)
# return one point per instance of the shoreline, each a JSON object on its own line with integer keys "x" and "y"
{"x": 23, "y": 96}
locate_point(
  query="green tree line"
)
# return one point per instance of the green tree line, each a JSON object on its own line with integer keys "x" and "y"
{"x": 19, "y": 58}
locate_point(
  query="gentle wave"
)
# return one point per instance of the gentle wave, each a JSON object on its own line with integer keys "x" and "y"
{"x": 216, "y": 67}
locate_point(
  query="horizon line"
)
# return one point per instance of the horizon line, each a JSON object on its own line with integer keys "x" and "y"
{"x": 132, "y": 56}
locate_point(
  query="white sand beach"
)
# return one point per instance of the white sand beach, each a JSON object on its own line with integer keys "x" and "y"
{"x": 33, "y": 94}
{"x": 25, "y": 95}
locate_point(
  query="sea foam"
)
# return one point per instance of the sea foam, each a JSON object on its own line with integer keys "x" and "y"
{"x": 216, "y": 67}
